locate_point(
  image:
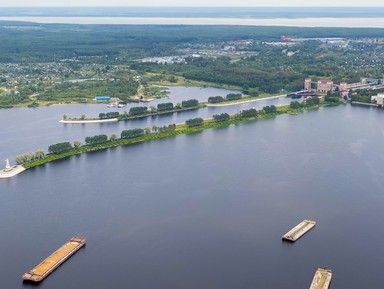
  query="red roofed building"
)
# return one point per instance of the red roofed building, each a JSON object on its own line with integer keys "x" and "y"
{"x": 325, "y": 86}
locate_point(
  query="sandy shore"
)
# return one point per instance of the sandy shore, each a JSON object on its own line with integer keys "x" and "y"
{"x": 15, "y": 170}
{"x": 89, "y": 121}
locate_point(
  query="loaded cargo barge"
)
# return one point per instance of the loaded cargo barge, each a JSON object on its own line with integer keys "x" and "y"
{"x": 322, "y": 279}
{"x": 299, "y": 230}
{"x": 47, "y": 266}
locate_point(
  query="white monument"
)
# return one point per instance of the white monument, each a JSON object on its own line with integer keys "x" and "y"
{"x": 7, "y": 164}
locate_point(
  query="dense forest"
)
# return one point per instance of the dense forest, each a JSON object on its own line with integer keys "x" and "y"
{"x": 26, "y": 42}
{"x": 48, "y": 63}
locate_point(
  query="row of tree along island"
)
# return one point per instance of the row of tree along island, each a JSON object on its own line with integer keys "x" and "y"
{"x": 144, "y": 111}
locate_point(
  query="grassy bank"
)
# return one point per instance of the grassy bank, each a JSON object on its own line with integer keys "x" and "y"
{"x": 234, "y": 119}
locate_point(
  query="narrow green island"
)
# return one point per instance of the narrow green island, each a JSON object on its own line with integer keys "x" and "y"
{"x": 134, "y": 136}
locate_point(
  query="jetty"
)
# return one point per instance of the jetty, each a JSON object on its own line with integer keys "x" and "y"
{"x": 47, "y": 266}
{"x": 299, "y": 230}
{"x": 322, "y": 279}
{"x": 87, "y": 121}
{"x": 11, "y": 172}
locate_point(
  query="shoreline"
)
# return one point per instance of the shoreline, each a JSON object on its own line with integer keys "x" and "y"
{"x": 237, "y": 102}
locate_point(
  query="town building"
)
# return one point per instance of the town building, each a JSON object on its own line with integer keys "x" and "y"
{"x": 344, "y": 90}
{"x": 379, "y": 99}
{"x": 324, "y": 87}
{"x": 308, "y": 84}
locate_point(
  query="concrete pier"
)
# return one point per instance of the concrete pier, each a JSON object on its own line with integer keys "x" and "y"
{"x": 13, "y": 171}
{"x": 299, "y": 230}
{"x": 322, "y": 279}
{"x": 47, "y": 266}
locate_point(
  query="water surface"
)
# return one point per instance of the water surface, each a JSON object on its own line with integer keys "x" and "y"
{"x": 208, "y": 210}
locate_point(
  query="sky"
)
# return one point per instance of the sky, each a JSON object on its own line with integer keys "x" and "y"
{"x": 27, "y": 3}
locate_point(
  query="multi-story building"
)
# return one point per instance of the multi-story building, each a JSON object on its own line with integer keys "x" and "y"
{"x": 344, "y": 90}
{"x": 308, "y": 84}
{"x": 324, "y": 87}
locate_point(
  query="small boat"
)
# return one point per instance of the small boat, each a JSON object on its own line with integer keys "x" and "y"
{"x": 111, "y": 105}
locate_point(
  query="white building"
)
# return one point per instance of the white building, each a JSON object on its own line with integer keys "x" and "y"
{"x": 379, "y": 99}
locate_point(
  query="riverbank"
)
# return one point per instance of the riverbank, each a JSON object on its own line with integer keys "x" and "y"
{"x": 14, "y": 171}
{"x": 243, "y": 100}
{"x": 179, "y": 129}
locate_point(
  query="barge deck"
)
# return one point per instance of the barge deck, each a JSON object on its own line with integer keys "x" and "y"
{"x": 299, "y": 230}
{"x": 322, "y": 279}
{"x": 47, "y": 266}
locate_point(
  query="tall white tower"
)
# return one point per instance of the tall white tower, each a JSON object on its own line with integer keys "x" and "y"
{"x": 7, "y": 164}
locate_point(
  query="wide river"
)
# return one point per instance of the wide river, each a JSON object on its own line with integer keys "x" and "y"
{"x": 206, "y": 210}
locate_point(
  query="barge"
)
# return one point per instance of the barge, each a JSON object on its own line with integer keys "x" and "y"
{"x": 298, "y": 231}
{"x": 47, "y": 266}
{"x": 322, "y": 279}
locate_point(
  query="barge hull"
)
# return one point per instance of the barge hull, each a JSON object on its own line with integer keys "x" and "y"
{"x": 48, "y": 265}
{"x": 322, "y": 279}
{"x": 299, "y": 230}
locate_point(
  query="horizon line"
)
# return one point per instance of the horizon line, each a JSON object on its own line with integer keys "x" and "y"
{"x": 183, "y": 6}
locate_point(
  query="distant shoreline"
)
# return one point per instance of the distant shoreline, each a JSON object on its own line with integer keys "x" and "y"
{"x": 341, "y": 22}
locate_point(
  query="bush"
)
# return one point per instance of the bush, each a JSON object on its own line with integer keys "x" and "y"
{"x": 194, "y": 122}
{"x": 312, "y": 101}
{"x": 233, "y": 96}
{"x": 132, "y": 133}
{"x": 332, "y": 98}
{"x": 221, "y": 117}
{"x": 254, "y": 92}
{"x": 113, "y": 114}
{"x": 27, "y": 157}
{"x": 113, "y": 137}
{"x": 249, "y": 113}
{"x": 295, "y": 105}
{"x": 165, "y": 106}
{"x": 77, "y": 144}
{"x": 165, "y": 128}
{"x": 215, "y": 99}
{"x": 139, "y": 110}
{"x": 270, "y": 109}
{"x": 59, "y": 148}
{"x": 190, "y": 103}
{"x": 97, "y": 139}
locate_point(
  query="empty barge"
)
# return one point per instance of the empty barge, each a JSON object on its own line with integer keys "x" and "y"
{"x": 47, "y": 266}
{"x": 299, "y": 230}
{"x": 322, "y": 279}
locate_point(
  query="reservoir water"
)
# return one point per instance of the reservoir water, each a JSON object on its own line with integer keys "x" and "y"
{"x": 208, "y": 210}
